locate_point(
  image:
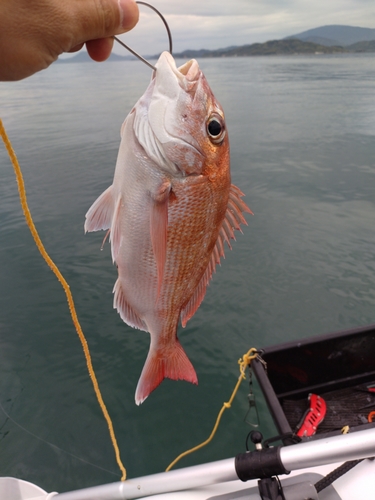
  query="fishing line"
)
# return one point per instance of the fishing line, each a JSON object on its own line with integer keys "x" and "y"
{"x": 53, "y": 445}
{"x": 243, "y": 362}
{"x": 64, "y": 284}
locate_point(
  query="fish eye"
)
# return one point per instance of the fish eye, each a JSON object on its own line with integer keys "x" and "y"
{"x": 215, "y": 129}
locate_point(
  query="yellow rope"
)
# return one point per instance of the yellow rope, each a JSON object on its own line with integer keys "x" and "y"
{"x": 243, "y": 362}
{"x": 64, "y": 284}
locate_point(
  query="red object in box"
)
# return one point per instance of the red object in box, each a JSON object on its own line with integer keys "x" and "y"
{"x": 313, "y": 416}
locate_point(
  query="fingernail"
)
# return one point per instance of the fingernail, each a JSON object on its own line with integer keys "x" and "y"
{"x": 129, "y": 14}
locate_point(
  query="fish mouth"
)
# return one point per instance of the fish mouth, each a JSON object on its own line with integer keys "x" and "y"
{"x": 187, "y": 74}
{"x": 190, "y": 70}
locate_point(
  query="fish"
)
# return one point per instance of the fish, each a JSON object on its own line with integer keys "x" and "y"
{"x": 169, "y": 212}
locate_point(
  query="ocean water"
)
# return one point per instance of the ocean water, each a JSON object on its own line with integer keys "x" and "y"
{"x": 302, "y": 133}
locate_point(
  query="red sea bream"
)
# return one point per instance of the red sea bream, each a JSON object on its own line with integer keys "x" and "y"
{"x": 169, "y": 210}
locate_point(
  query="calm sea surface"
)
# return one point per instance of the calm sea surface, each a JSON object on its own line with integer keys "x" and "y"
{"x": 302, "y": 133}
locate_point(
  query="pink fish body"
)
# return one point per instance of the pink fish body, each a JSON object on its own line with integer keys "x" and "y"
{"x": 170, "y": 209}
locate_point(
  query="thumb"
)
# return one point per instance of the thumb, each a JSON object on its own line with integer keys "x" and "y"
{"x": 93, "y": 19}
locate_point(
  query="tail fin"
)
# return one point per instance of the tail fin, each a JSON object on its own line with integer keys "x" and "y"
{"x": 160, "y": 364}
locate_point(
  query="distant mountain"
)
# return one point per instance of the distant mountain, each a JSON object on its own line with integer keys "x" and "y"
{"x": 273, "y": 47}
{"x": 336, "y": 35}
{"x": 327, "y": 42}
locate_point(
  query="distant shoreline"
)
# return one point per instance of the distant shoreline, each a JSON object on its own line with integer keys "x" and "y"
{"x": 285, "y": 47}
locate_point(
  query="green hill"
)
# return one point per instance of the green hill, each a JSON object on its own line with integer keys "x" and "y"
{"x": 362, "y": 47}
{"x": 274, "y": 47}
{"x": 283, "y": 47}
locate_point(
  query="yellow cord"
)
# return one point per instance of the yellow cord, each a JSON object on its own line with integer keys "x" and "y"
{"x": 243, "y": 362}
{"x": 64, "y": 284}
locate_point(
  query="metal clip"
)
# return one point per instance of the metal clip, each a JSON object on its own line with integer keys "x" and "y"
{"x": 252, "y": 404}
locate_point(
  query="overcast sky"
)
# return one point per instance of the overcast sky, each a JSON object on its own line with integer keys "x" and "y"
{"x": 213, "y": 24}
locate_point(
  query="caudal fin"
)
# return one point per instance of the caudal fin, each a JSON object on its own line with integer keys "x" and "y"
{"x": 160, "y": 364}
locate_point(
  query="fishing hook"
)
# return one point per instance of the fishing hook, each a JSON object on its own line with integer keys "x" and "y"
{"x": 168, "y": 31}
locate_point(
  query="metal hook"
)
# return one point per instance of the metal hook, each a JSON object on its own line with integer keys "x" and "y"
{"x": 168, "y": 31}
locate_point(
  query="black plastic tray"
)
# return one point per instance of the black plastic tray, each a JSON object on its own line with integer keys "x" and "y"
{"x": 320, "y": 364}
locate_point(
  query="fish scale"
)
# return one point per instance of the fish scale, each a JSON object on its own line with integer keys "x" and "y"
{"x": 184, "y": 272}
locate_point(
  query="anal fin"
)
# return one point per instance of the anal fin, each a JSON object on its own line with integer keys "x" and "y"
{"x": 125, "y": 310}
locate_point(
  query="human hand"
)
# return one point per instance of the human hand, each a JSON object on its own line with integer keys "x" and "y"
{"x": 33, "y": 33}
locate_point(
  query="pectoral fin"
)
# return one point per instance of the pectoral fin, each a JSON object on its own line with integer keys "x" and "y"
{"x": 115, "y": 235}
{"x": 158, "y": 228}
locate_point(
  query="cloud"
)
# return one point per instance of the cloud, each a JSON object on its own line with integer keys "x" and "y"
{"x": 213, "y": 24}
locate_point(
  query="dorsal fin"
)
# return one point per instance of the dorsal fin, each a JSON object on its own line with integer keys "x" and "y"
{"x": 232, "y": 220}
